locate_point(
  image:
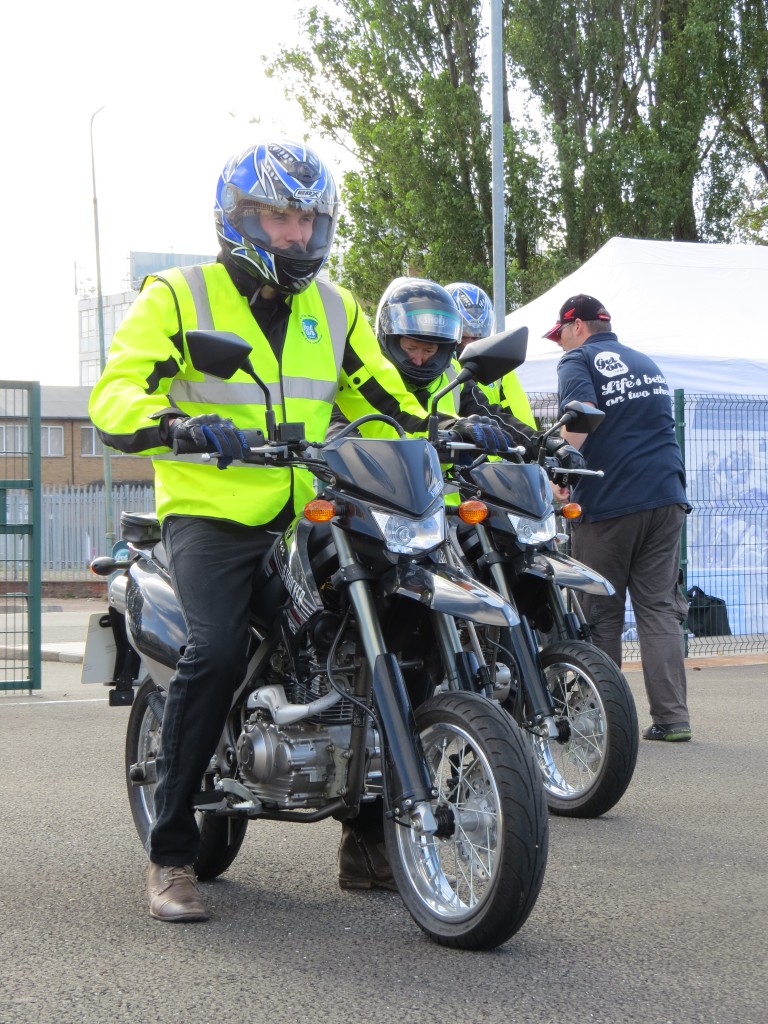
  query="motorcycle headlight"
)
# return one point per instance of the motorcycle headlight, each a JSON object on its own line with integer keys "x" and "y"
{"x": 405, "y": 536}
{"x": 533, "y": 531}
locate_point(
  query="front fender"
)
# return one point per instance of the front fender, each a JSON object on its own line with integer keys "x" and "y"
{"x": 451, "y": 591}
{"x": 567, "y": 572}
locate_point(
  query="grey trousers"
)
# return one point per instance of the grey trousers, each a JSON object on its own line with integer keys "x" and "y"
{"x": 641, "y": 553}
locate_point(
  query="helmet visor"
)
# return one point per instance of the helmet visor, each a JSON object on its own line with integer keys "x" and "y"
{"x": 439, "y": 325}
{"x": 281, "y": 228}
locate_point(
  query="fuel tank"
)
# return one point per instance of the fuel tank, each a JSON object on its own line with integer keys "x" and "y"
{"x": 155, "y": 624}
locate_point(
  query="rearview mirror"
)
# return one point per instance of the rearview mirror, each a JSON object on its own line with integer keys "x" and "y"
{"x": 580, "y": 418}
{"x": 222, "y": 354}
{"x": 490, "y": 358}
{"x": 218, "y": 353}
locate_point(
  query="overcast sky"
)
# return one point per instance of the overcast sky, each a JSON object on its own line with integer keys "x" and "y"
{"x": 180, "y": 82}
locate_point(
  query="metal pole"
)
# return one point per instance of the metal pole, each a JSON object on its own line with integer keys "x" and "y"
{"x": 497, "y": 164}
{"x": 110, "y": 530}
{"x": 679, "y": 403}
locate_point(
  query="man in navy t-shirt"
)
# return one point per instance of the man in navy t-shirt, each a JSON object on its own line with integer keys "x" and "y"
{"x": 633, "y": 516}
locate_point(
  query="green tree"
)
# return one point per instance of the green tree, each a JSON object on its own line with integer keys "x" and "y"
{"x": 626, "y": 87}
{"x": 739, "y": 146}
{"x": 644, "y": 118}
{"x": 401, "y": 85}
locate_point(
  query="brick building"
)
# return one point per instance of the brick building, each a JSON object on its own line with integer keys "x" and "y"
{"x": 71, "y": 451}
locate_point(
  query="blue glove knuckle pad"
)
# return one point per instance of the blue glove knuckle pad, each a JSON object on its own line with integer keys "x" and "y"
{"x": 211, "y": 433}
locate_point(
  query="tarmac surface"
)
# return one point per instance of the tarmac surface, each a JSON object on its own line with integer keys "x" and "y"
{"x": 653, "y": 913}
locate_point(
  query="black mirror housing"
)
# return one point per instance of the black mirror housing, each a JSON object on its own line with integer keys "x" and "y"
{"x": 580, "y": 418}
{"x": 490, "y": 358}
{"x": 219, "y": 353}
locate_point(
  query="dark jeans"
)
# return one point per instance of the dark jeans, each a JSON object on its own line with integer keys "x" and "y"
{"x": 641, "y": 553}
{"x": 212, "y": 569}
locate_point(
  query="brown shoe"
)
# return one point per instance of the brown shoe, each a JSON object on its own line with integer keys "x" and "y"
{"x": 173, "y": 893}
{"x": 363, "y": 862}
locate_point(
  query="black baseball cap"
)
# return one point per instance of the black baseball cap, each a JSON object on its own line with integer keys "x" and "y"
{"x": 578, "y": 307}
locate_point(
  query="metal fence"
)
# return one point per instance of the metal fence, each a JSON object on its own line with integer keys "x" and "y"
{"x": 73, "y": 525}
{"x": 20, "y": 569}
{"x": 723, "y": 438}
{"x": 726, "y": 537}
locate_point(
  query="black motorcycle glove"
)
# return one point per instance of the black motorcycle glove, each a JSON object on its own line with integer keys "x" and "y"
{"x": 208, "y": 433}
{"x": 567, "y": 456}
{"x": 483, "y": 432}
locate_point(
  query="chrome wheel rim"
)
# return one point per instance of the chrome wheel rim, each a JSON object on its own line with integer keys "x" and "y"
{"x": 453, "y": 875}
{"x": 570, "y": 769}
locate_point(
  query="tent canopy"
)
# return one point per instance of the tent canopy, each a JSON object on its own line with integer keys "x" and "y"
{"x": 696, "y": 309}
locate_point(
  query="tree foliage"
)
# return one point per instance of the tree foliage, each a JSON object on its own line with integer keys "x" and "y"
{"x": 643, "y": 118}
{"x": 740, "y": 147}
{"x": 626, "y": 86}
{"x": 401, "y": 85}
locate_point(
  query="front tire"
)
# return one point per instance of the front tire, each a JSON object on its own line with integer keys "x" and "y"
{"x": 474, "y": 884}
{"x": 220, "y": 837}
{"x": 588, "y": 774}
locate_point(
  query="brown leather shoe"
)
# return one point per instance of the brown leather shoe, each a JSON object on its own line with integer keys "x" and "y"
{"x": 363, "y": 862}
{"x": 173, "y": 893}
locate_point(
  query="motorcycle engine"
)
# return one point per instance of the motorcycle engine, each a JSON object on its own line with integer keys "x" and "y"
{"x": 299, "y": 765}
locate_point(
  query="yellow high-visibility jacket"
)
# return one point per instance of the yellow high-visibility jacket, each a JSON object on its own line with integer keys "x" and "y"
{"x": 330, "y": 354}
{"x": 509, "y": 394}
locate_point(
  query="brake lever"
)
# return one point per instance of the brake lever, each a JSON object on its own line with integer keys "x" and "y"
{"x": 577, "y": 472}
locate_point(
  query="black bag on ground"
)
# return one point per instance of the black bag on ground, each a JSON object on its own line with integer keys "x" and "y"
{"x": 707, "y": 616}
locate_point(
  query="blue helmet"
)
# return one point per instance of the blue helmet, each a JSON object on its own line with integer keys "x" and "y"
{"x": 422, "y": 310}
{"x": 275, "y": 179}
{"x": 475, "y": 307}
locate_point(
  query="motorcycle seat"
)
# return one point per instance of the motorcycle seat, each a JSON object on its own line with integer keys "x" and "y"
{"x": 159, "y": 555}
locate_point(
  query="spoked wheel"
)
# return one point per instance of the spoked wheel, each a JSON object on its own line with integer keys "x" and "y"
{"x": 473, "y": 885}
{"x": 588, "y": 773}
{"x": 220, "y": 837}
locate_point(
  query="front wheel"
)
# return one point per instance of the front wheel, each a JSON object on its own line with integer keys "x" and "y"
{"x": 220, "y": 838}
{"x": 588, "y": 773}
{"x": 474, "y": 883}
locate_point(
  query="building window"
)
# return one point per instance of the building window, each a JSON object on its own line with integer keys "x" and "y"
{"x": 88, "y": 324}
{"x": 88, "y": 345}
{"x": 89, "y": 372}
{"x": 90, "y": 442}
{"x": 13, "y": 439}
{"x": 120, "y": 310}
{"x": 51, "y": 441}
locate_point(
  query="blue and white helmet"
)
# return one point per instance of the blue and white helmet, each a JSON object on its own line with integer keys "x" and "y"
{"x": 276, "y": 178}
{"x": 475, "y": 307}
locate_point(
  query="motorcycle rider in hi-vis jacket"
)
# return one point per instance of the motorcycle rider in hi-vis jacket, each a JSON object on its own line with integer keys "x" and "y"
{"x": 276, "y": 209}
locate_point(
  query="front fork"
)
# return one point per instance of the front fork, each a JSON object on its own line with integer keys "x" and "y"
{"x": 398, "y": 726}
{"x": 524, "y": 647}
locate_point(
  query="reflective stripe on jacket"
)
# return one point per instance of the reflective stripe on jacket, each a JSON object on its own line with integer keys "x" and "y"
{"x": 149, "y": 370}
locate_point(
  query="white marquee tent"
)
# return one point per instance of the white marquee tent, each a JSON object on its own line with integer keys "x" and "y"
{"x": 700, "y": 311}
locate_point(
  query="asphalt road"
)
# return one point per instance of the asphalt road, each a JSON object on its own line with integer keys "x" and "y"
{"x": 654, "y": 913}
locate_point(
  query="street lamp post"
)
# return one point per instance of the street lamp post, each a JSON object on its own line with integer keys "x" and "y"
{"x": 497, "y": 165}
{"x": 110, "y": 532}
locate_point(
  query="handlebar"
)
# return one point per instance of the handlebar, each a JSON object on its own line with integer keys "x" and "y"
{"x": 263, "y": 452}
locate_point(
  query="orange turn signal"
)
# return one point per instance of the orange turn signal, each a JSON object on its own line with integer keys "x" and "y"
{"x": 571, "y": 511}
{"x": 473, "y": 511}
{"x": 319, "y": 510}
